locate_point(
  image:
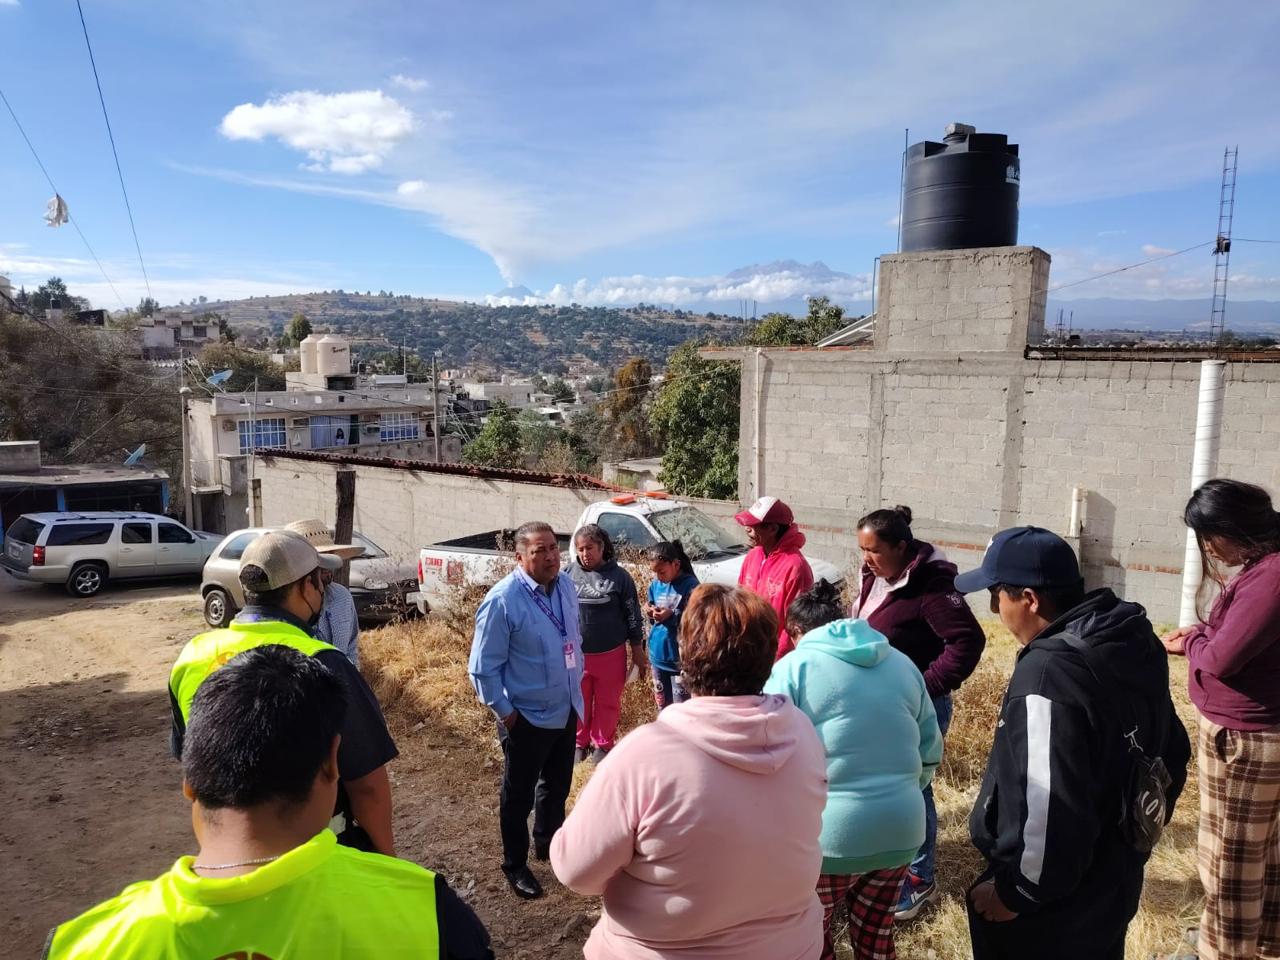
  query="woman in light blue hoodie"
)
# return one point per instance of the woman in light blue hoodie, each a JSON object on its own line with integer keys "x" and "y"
{"x": 876, "y": 721}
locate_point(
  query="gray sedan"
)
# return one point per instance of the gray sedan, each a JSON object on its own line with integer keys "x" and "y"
{"x": 382, "y": 588}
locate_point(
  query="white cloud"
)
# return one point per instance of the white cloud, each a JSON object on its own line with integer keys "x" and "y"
{"x": 346, "y": 133}
{"x": 770, "y": 284}
{"x": 8, "y": 3}
{"x": 1151, "y": 250}
{"x": 415, "y": 84}
{"x": 173, "y": 278}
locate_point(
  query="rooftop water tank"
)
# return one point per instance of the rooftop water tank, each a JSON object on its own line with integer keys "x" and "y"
{"x": 333, "y": 356}
{"x": 308, "y": 351}
{"x": 962, "y": 192}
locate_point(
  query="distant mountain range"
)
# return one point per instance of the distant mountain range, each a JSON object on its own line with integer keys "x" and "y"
{"x": 1242, "y": 316}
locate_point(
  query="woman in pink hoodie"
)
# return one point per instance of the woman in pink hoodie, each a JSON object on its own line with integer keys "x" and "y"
{"x": 700, "y": 830}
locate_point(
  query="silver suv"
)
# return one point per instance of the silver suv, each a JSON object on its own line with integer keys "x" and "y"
{"x": 85, "y": 550}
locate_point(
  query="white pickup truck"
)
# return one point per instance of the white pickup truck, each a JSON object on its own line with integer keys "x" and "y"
{"x": 631, "y": 520}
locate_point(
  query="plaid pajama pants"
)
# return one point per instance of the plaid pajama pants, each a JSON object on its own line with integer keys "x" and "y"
{"x": 872, "y": 899}
{"x": 1239, "y": 842}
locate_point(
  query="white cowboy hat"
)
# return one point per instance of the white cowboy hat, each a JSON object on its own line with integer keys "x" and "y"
{"x": 316, "y": 533}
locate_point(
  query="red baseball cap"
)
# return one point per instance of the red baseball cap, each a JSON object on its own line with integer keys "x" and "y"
{"x": 766, "y": 510}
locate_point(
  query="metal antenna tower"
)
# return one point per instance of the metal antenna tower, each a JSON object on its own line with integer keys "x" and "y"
{"x": 1222, "y": 246}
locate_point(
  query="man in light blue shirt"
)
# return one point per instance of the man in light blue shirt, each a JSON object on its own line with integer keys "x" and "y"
{"x": 526, "y": 666}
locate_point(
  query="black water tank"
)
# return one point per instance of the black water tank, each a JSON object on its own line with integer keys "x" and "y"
{"x": 962, "y": 192}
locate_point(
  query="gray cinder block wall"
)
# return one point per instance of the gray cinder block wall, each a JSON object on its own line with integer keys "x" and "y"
{"x": 403, "y": 510}
{"x": 946, "y": 415}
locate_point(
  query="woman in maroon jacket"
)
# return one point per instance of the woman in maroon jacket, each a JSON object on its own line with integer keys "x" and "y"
{"x": 909, "y": 594}
{"x": 1234, "y": 679}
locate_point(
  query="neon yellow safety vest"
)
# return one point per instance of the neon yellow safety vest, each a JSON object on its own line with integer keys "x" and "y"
{"x": 317, "y": 901}
{"x": 209, "y": 651}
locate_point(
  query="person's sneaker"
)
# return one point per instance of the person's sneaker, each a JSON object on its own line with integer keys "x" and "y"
{"x": 598, "y": 754}
{"x": 915, "y": 897}
{"x": 579, "y": 754}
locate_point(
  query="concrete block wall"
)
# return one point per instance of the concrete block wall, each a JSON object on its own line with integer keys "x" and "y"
{"x": 976, "y": 443}
{"x": 404, "y": 510}
{"x": 959, "y": 301}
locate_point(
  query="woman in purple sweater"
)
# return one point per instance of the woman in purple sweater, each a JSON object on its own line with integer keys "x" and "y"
{"x": 909, "y": 594}
{"x": 1234, "y": 678}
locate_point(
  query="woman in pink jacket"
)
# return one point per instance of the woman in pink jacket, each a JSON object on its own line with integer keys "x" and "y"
{"x": 774, "y": 567}
{"x": 700, "y": 830}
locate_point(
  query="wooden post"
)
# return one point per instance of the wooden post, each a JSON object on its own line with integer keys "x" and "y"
{"x": 345, "y": 516}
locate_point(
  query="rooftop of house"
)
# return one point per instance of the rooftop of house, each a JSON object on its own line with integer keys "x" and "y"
{"x": 56, "y": 475}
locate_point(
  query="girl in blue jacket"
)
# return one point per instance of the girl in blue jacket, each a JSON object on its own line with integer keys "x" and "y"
{"x": 673, "y": 581}
{"x": 874, "y": 716}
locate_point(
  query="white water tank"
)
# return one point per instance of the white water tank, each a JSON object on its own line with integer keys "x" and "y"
{"x": 308, "y": 349}
{"x": 333, "y": 356}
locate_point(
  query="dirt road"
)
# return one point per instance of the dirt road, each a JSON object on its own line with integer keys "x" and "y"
{"x": 89, "y": 794}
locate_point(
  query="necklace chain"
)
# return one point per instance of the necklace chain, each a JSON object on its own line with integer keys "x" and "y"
{"x": 229, "y": 866}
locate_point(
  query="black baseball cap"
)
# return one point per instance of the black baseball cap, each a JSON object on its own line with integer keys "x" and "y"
{"x": 1024, "y": 557}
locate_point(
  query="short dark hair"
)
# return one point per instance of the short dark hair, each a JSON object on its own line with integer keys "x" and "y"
{"x": 269, "y": 598}
{"x": 816, "y": 607}
{"x": 527, "y": 530}
{"x": 261, "y": 728}
{"x": 593, "y": 531}
{"x": 891, "y": 526}
{"x": 1059, "y": 599}
{"x": 728, "y": 642}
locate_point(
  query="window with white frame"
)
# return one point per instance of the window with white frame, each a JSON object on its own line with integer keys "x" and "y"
{"x": 263, "y": 432}
{"x": 398, "y": 426}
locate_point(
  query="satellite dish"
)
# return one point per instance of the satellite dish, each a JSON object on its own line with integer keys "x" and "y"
{"x": 133, "y": 458}
{"x": 219, "y": 378}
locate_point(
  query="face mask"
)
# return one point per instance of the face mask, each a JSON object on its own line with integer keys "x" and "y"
{"x": 315, "y": 616}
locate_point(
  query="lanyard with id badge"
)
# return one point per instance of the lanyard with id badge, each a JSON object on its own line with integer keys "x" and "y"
{"x": 570, "y": 655}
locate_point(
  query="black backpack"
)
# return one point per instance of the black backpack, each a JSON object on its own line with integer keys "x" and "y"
{"x": 1144, "y": 801}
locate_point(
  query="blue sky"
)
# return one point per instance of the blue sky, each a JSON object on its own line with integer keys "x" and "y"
{"x": 613, "y": 152}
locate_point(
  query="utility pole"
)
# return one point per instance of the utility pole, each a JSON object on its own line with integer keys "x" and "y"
{"x": 435, "y": 403}
{"x": 252, "y": 509}
{"x": 183, "y": 392}
{"x": 345, "y": 516}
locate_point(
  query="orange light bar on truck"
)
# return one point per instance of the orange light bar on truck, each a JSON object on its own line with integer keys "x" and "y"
{"x": 623, "y": 499}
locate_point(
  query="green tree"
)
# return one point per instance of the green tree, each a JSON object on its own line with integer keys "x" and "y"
{"x": 244, "y": 365}
{"x": 498, "y": 442}
{"x": 47, "y": 292}
{"x": 695, "y": 415}
{"x": 560, "y": 391}
{"x": 224, "y": 329}
{"x": 783, "y": 330}
{"x": 147, "y": 306}
{"x": 624, "y": 410}
{"x": 299, "y": 329}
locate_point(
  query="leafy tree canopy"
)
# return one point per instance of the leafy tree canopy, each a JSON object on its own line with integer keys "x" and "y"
{"x": 498, "y": 442}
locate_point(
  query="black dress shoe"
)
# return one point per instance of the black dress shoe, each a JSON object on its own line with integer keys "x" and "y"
{"x": 523, "y": 882}
{"x": 542, "y": 850}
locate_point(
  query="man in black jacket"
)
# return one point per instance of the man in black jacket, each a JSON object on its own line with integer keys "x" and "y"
{"x": 1062, "y": 879}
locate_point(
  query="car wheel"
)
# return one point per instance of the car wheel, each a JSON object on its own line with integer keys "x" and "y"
{"x": 217, "y": 608}
{"x": 86, "y": 579}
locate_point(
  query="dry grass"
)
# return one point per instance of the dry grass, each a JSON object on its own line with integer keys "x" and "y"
{"x": 418, "y": 671}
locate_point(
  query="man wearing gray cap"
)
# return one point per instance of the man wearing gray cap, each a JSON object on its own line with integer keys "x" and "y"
{"x": 284, "y": 594}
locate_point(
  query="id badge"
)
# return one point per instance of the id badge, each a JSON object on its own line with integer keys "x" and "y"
{"x": 570, "y": 658}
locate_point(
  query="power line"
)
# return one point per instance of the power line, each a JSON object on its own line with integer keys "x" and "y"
{"x": 1132, "y": 266}
{"x": 111, "y": 136}
{"x": 72, "y": 219}
{"x": 1248, "y": 240}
